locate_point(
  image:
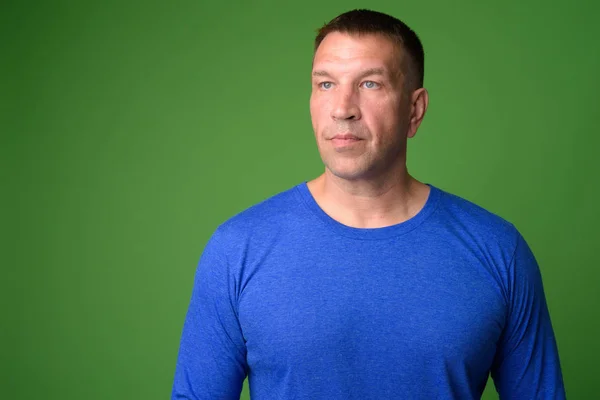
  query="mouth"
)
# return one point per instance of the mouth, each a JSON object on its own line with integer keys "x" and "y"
{"x": 345, "y": 136}
{"x": 345, "y": 140}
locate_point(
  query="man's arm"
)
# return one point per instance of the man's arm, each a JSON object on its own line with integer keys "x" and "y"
{"x": 212, "y": 356}
{"x": 526, "y": 365}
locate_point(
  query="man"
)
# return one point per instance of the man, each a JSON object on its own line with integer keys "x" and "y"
{"x": 365, "y": 283}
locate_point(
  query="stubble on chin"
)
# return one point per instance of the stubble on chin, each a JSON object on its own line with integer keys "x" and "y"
{"x": 346, "y": 166}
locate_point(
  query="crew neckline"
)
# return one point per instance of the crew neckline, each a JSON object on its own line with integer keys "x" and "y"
{"x": 371, "y": 233}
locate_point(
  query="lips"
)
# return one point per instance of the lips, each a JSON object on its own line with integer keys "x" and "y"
{"x": 346, "y": 136}
{"x": 345, "y": 141}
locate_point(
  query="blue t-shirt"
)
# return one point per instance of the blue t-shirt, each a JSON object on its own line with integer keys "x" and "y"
{"x": 309, "y": 308}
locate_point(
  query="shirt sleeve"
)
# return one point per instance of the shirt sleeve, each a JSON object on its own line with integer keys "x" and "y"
{"x": 211, "y": 363}
{"x": 527, "y": 365}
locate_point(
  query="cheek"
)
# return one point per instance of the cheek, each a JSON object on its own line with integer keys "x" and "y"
{"x": 318, "y": 110}
{"x": 387, "y": 110}
{"x": 377, "y": 113}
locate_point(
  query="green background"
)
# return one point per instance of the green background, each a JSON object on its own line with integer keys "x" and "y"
{"x": 130, "y": 130}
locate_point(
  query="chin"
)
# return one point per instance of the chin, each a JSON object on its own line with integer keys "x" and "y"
{"x": 347, "y": 168}
{"x": 349, "y": 174}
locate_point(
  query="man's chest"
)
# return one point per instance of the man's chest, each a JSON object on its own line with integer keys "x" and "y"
{"x": 400, "y": 309}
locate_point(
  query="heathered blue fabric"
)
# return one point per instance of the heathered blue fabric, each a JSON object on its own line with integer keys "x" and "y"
{"x": 309, "y": 308}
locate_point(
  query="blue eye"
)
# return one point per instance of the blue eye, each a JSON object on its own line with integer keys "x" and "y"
{"x": 325, "y": 85}
{"x": 370, "y": 85}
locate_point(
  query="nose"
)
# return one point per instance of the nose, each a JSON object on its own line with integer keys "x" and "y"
{"x": 345, "y": 105}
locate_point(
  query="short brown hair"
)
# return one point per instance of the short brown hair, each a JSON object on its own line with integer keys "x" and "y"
{"x": 363, "y": 21}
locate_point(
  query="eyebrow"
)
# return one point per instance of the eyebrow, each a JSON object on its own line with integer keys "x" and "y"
{"x": 365, "y": 73}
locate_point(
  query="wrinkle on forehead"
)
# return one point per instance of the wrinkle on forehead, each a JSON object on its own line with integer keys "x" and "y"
{"x": 346, "y": 53}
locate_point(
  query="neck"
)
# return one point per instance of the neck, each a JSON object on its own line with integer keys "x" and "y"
{"x": 372, "y": 203}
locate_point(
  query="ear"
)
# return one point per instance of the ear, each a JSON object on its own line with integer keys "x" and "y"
{"x": 419, "y": 100}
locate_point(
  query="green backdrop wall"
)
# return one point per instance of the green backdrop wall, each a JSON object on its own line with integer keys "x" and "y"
{"x": 130, "y": 130}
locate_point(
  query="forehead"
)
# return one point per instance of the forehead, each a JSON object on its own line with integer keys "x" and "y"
{"x": 343, "y": 51}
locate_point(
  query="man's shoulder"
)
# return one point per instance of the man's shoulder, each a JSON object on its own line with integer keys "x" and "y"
{"x": 265, "y": 215}
{"x": 468, "y": 216}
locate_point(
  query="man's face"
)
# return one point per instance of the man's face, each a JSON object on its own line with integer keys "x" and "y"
{"x": 359, "y": 112}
